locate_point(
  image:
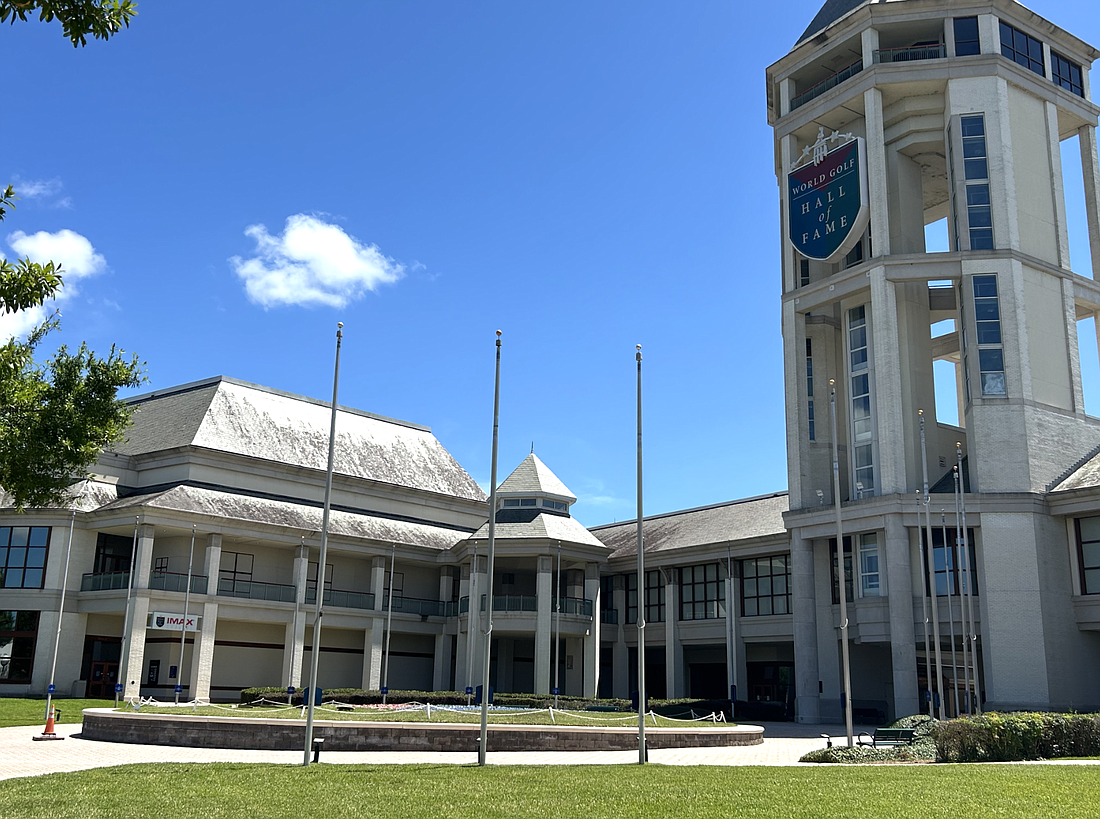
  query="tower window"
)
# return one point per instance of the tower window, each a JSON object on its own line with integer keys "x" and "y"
{"x": 966, "y": 36}
{"x": 1022, "y": 48}
{"x": 979, "y": 214}
{"x": 1066, "y": 74}
{"x": 803, "y": 272}
{"x": 1088, "y": 554}
{"x": 860, "y": 384}
{"x": 987, "y": 317}
{"x": 810, "y": 385}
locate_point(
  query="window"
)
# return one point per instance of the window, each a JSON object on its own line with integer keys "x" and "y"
{"x": 849, "y": 589}
{"x": 18, "y": 635}
{"x": 1066, "y": 74}
{"x": 966, "y": 36}
{"x": 654, "y": 597}
{"x": 112, "y": 553}
{"x": 702, "y": 594}
{"x": 311, "y": 576}
{"x": 559, "y": 506}
{"x": 1022, "y": 48}
{"x": 979, "y": 214}
{"x": 810, "y": 385}
{"x": 868, "y": 565}
{"x": 23, "y": 556}
{"x": 766, "y": 586}
{"x": 160, "y": 567}
{"x": 1088, "y": 554}
{"x": 987, "y": 318}
{"x": 803, "y": 272}
{"x": 236, "y": 567}
{"x": 860, "y": 380}
{"x": 946, "y": 562}
{"x": 855, "y": 255}
{"x": 607, "y": 592}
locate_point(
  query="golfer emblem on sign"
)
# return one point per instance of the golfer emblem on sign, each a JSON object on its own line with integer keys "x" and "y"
{"x": 160, "y": 622}
{"x": 827, "y": 208}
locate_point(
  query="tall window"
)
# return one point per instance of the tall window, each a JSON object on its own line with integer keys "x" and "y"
{"x": 23, "y": 556}
{"x": 849, "y": 588}
{"x": 862, "y": 423}
{"x": 18, "y": 635}
{"x": 1066, "y": 74}
{"x": 1022, "y": 48}
{"x": 702, "y": 594}
{"x": 979, "y": 214}
{"x": 766, "y": 586}
{"x": 654, "y": 597}
{"x": 112, "y": 553}
{"x": 869, "y": 576}
{"x": 966, "y": 36}
{"x": 311, "y": 577}
{"x": 1088, "y": 554}
{"x": 810, "y": 385}
{"x": 236, "y": 567}
{"x": 947, "y": 562}
{"x": 987, "y": 317}
{"x": 803, "y": 272}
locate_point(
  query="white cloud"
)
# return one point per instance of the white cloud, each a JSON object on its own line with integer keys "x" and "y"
{"x": 42, "y": 189}
{"x": 72, "y": 251}
{"x": 78, "y": 260}
{"x": 311, "y": 263}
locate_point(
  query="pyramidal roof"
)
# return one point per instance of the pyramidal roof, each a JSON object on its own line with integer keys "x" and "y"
{"x": 829, "y": 13}
{"x": 534, "y": 477}
{"x": 245, "y": 419}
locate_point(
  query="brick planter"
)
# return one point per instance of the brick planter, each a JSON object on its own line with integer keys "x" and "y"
{"x": 289, "y": 735}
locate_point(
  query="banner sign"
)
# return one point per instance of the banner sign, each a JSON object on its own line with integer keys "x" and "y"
{"x": 172, "y": 621}
{"x": 827, "y": 209}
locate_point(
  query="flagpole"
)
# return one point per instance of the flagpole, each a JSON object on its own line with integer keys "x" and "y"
{"x": 841, "y": 579}
{"x": 298, "y": 594}
{"x": 315, "y": 657}
{"x": 186, "y": 602}
{"x": 969, "y": 587}
{"x": 127, "y": 622}
{"x": 483, "y": 746}
{"x": 61, "y": 607}
{"x": 951, "y": 576}
{"x": 924, "y": 612}
{"x": 557, "y": 636}
{"x": 931, "y": 567}
{"x": 967, "y": 698}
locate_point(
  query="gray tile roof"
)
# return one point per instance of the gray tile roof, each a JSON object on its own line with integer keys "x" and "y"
{"x": 249, "y": 509}
{"x": 545, "y": 525}
{"x": 736, "y": 520}
{"x": 533, "y": 477}
{"x": 245, "y": 419}
{"x": 1084, "y": 475}
{"x": 829, "y": 13}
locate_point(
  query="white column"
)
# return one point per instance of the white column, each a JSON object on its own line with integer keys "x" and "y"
{"x": 202, "y": 653}
{"x": 989, "y": 34}
{"x": 1091, "y": 171}
{"x": 592, "y": 638}
{"x": 463, "y": 655}
{"x": 621, "y": 675}
{"x": 477, "y": 617}
{"x": 374, "y": 636}
{"x": 877, "y": 179}
{"x": 137, "y": 616}
{"x": 674, "y": 655}
{"x": 803, "y": 603}
{"x": 544, "y": 623}
{"x": 295, "y": 638}
{"x": 894, "y": 552}
{"x": 869, "y": 44}
{"x": 442, "y": 664}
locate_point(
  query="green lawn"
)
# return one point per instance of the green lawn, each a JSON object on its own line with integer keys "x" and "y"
{"x": 221, "y": 790}
{"x": 17, "y": 711}
{"x": 590, "y": 719}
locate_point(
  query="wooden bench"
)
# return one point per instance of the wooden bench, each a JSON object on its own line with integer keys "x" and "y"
{"x": 888, "y": 737}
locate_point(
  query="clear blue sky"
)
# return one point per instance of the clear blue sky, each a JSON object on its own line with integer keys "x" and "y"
{"x": 583, "y": 176}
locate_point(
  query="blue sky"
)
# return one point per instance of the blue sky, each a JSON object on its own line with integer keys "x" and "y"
{"x": 582, "y": 176}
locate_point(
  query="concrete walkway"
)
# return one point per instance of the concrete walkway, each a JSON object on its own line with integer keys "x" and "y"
{"x": 783, "y": 744}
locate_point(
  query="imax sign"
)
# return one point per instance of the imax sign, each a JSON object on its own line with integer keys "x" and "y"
{"x": 171, "y": 621}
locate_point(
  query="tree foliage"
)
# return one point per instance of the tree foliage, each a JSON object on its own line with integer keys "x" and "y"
{"x": 78, "y": 18}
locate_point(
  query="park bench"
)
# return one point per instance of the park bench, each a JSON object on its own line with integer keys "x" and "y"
{"x": 888, "y": 737}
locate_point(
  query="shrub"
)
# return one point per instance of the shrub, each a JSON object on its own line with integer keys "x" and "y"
{"x": 923, "y": 748}
{"x": 997, "y": 737}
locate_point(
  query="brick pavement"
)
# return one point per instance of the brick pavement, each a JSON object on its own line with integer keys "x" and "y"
{"x": 20, "y": 756}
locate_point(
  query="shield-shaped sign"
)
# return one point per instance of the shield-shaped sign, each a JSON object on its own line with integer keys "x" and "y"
{"x": 160, "y": 622}
{"x": 827, "y": 209}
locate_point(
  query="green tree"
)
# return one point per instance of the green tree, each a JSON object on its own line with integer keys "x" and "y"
{"x": 56, "y": 418}
{"x": 78, "y": 18}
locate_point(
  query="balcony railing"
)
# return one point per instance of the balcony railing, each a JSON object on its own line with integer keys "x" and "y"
{"x": 415, "y": 605}
{"x": 102, "y": 581}
{"x": 573, "y": 605}
{"x": 609, "y": 616}
{"x": 174, "y": 581}
{"x": 252, "y": 590}
{"x": 512, "y": 602}
{"x": 910, "y": 53}
{"x": 342, "y": 599}
{"x": 827, "y": 83}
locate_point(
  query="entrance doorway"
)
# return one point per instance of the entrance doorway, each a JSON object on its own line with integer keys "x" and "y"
{"x": 100, "y": 666}
{"x": 101, "y": 680}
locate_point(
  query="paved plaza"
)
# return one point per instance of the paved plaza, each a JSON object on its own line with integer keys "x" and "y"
{"x": 783, "y": 744}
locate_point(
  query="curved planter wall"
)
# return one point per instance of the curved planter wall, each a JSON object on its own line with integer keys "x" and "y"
{"x": 289, "y": 735}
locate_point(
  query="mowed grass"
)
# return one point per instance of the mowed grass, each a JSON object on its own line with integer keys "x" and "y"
{"x": 436, "y": 791}
{"x": 578, "y": 718}
{"x": 22, "y": 711}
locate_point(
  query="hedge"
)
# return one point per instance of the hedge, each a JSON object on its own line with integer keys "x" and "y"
{"x": 923, "y": 748}
{"x": 1011, "y": 737}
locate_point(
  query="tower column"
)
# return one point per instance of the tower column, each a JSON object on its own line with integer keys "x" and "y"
{"x": 903, "y": 641}
{"x": 544, "y": 622}
{"x": 876, "y": 172}
{"x": 592, "y": 638}
{"x": 1090, "y": 168}
{"x": 803, "y": 603}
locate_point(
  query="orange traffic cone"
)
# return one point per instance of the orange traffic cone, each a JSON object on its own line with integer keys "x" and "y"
{"x": 48, "y": 732}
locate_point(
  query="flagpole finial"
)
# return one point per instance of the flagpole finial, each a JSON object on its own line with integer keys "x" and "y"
{"x": 638, "y": 354}
{"x": 920, "y": 412}
{"x": 498, "y": 338}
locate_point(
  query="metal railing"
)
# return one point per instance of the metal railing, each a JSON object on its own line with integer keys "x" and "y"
{"x": 415, "y": 605}
{"x": 573, "y": 605}
{"x": 910, "y": 53}
{"x": 829, "y": 82}
{"x": 342, "y": 599}
{"x": 174, "y": 581}
{"x": 253, "y": 590}
{"x": 609, "y": 616}
{"x": 102, "y": 581}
